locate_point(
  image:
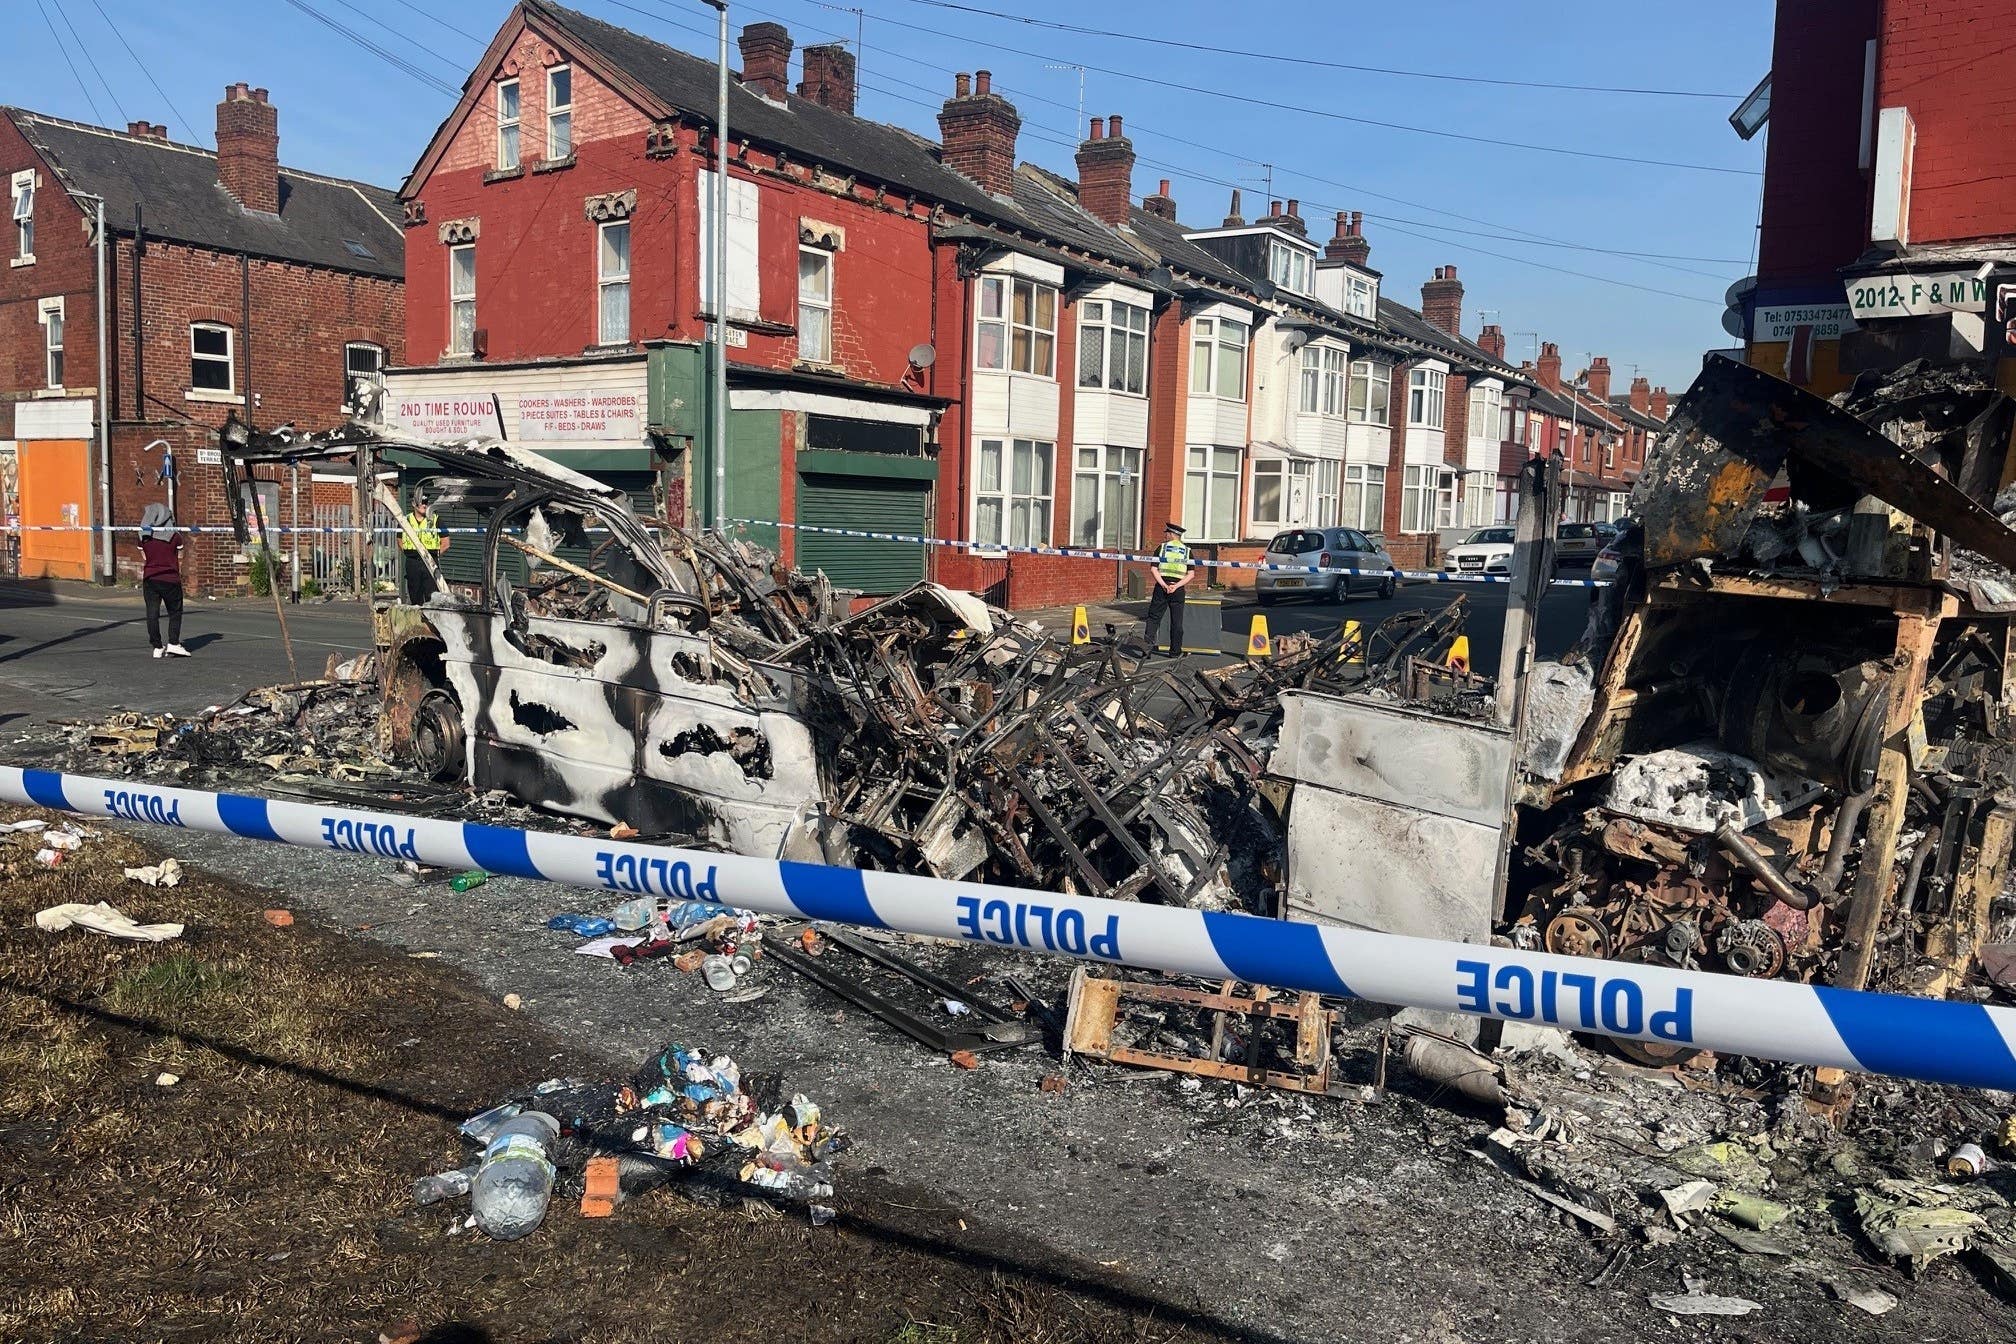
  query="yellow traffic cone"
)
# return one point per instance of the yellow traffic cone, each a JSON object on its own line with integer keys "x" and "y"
{"x": 1258, "y": 645}
{"x": 1081, "y": 626}
{"x": 1459, "y": 654}
{"x": 1352, "y": 649}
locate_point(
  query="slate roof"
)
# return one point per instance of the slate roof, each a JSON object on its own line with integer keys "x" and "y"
{"x": 176, "y": 186}
{"x": 1406, "y": 322}
{"x": 1633, "y": 416}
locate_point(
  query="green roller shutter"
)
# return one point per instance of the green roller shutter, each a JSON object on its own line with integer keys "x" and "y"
{"x": 871, "y": 505}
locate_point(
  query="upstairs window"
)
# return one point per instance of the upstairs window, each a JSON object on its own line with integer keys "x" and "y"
{"x": 1018, "y": 326}
{"x": 462, "y": 298}
{"x": 1361, "y": 297}
{"x": 1113, "y": 346}
{"x": 1371, "y": 390}
{"x": 612, "y": 284}
{"x": 211, "y": 368}
{"x": 1487, "y": 411}
{"x": 1322, "y": 380}
{"x": 51, "y": 313}
{"x": 361, "y": 359}
{"x": 1218, "y": 358}
{"x": 559, "y": 112}
{"x": 23, "y": 211}
{"x": 1289, "y": 267}
{"x": 815, "y": 305}
{"x": 1426, "y": 389}
{"x": 507, "y": 124}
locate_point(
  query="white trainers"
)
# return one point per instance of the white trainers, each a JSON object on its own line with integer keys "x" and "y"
{"x": 158, "y": 653}
{"x": 177, "y": 651}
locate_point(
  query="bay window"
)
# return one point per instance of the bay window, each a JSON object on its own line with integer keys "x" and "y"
{"x": 1478, "y": 500}
{"x": 1487, "y": 410}
{"x": 1417, "y": 497}
{"x": 1371, "y": 391}
{"x": 1113, "y": 346}
{"x": 1322, "y": 380}
{"x": 1426, "y": 389}
{"x": 1018, "y": 326}
{"x": 1364, "y": 504}
{"x": 1211, "y": 494}
{"x": 1012, "y": 503}
{"x": 1106, "y": 498}
{"x": 1218, "y": 358}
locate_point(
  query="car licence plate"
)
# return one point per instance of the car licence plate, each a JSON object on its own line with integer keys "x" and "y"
{"x": 1287, "y": 583}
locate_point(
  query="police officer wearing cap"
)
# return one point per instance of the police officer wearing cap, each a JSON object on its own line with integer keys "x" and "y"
{"x": 1171, "y": 573}
{"x": 419, "y": 531}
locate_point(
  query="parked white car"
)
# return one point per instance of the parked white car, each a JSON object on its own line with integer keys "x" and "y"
{"x": 1488, "y": 550}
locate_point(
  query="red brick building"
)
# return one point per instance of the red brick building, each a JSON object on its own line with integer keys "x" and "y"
{"x": 231, "y": 285}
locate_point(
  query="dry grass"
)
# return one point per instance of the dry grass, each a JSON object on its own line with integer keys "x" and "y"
{"x": 264, "y": 1195}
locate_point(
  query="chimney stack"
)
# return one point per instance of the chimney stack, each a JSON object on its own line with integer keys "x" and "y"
{"x": 1349, "y": 243}
{"x": 1641, "y": 394}
{"x": 1233, "y": 219}
{"x": 1550, "y": 366}
{"x": 1492, "y": 338}
{"x": 766, "y": 59}
{"x": 248, "y": 148}
{"x": 141, "y": 130}
{"x": 1599, "y": 379}
{"x": 829, "y": 77}
{"x": 978, "y": 129}
{"x": 1161, "y": 205}
{"x": 1660, "y": 403}
{"x": 1442, "y": 300}
{"x": 1106, "y": 173}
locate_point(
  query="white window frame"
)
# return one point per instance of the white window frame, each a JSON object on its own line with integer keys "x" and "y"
{"x": 1376, "y": 378}
{"x": 461, "y": 335}
{"x": 1210, "y": 471}
{"x": 377, "y": 360}
{"x": 1489, "y": 395}
{"x": 1004, "y": 289}
{"x": 1361, "y": 296}
{"x": 1038, "y": 496}
{"x": 1288, "y": 469}
{"x": 1210, "y": 336}
{"x": 1094, "y": 467}
{"x": 1363, "y": 505}
{"x": 1445, "y": 498}
{"x": 1289, "y": 267}
{"x": 1480, "y": 500}
{"x": 49, "y": 313}
{"x": 506, "y": 161}
{"x": 1118, "y": 329}
{"x": 229, "y": 359}
{"x": 817, "y": 351}
{"x": 21, "y": 208}
{"x": 1324, "y": 379}
{"x": 559, "y": 114}
{"x": 608, "y": 282}
{"x": 1418, "y": 483}
{"x": 1609, "y": 452}
{"x": 745, "y": 244}
{"x": 1427, "y": 397}
{"x": 1329, "y": 490}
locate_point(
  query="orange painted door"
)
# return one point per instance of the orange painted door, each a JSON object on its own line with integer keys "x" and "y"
{"x": 55, "y": 492}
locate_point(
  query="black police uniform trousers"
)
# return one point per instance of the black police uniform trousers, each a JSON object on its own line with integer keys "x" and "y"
{"x": 1162, "y": 600}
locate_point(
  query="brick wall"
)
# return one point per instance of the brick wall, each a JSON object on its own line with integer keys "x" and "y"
{"x": 1815, "y": 215}
{"x": 1947, "y": 61}
{"x": 64, "y": 267}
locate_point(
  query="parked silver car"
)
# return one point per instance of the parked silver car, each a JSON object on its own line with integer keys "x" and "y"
{"x": 1325, "y": 547}
{"x": 1578, "y": 543}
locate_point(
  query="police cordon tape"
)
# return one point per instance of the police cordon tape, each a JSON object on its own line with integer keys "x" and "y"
{"x": 1088, "y": 553}
{"x": 973, "y": 547}
{"x": 1931, "y": 1039}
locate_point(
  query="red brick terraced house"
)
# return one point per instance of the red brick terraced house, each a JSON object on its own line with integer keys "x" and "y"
{"x": 232, "y": 285}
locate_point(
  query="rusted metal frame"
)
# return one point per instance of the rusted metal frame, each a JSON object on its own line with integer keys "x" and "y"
{"x": 1917, "y": 629}
{"x": 1003, "y": 1031}
{"x": 1094, "y": 1014}
{"x": 1079, "y": 859}
{"x": 1114, "y": 826}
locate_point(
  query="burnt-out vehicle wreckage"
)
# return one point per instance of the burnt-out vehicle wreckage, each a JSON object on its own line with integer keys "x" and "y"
{"x": 692, "y": 686}
{"x": 1782, "y": 748}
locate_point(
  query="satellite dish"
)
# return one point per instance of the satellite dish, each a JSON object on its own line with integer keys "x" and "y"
{"x": 923, "y": 356}
{"x": 1738, "y": 291}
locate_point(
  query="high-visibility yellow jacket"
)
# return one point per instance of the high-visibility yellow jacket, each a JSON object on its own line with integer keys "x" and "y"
{"x": 424, "y": 528}
{"x": 1172, "y": 559}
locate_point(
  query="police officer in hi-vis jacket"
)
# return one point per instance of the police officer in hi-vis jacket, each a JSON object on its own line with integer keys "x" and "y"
{"x": 1172, "y": 575}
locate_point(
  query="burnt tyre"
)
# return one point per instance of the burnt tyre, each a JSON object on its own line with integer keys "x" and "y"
{"x": 439, "y": 744}
{"x": 1388, "y": 588}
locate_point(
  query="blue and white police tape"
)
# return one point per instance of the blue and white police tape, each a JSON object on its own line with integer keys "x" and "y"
{"x": 985, "y": 549}
{"x": 223, "y": 529}
{"x": 1960, "y": 1043}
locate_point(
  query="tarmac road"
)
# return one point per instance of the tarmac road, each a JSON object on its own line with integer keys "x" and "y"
{"x": 1562, "y": 615}
{"x": 69, "y": 651}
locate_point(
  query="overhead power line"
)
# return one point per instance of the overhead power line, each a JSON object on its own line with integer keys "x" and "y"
{"x": 89, "y": 59}
{"x": 1278, "y": 58}
{"x": 188, "y": 126}
{"x": 82, "y": 87}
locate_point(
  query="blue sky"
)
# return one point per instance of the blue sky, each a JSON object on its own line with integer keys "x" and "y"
{"x": 346, "y": 111}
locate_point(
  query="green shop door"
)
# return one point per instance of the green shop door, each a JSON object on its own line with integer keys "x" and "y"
{"x": 867, "y": 504}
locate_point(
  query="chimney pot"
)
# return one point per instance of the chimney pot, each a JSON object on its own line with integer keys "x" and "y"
{"x": 1233, "y": 218}
{"x": 1116, "y": 128}
{"x": 962, "y": 85}
{"x": 1294, "y": 208}
{"x": 1161, "y": 205}
{"x": 1098, "y": 128}
{"x": 983, "y": 81}
{"x": 1163, "y": 190}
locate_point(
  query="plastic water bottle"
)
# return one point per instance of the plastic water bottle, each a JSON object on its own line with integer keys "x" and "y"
{"x": 468, "y": 881}
{"x": 512, "y": 1187}
{"x": 443, "y": 1185}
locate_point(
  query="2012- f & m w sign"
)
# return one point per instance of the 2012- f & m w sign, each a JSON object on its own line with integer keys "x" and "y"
{"x": 1898, "y": 294}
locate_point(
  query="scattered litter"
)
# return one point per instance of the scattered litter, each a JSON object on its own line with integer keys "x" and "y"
{"x": 167, "y": 873}
{"x": 31, "y": 824}
{"x": 443, "y": 1185}
{"x": 1694, "y": 1302}
{"x": 102, "y": 918}
{"x": 606, "y": 947}
{"x": 513, "y": 1002}
{"x": 1751, "y": 1243}
{"x": 1692, "y": 1197}
{"x": 965, "y": 1059}
{"x": 1760, "y": 1215}
{"x": 1872, "y": 1300}
{"x": 1919, "y": 1222}
{"x": 1052, "y": 1083}
{"x": 601, "y": 1189}
{"x": 280, "y": 919}
{"x": 1966, "y": 1160}
{"x": 623, "y": 830}
{"x": 585, "y": 926}
{"x": 167, "y": 1079}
